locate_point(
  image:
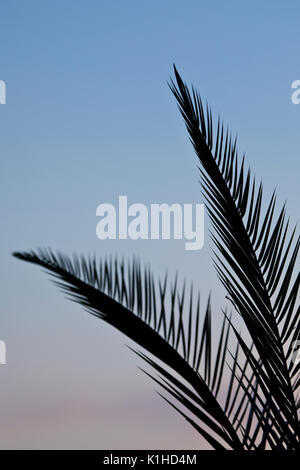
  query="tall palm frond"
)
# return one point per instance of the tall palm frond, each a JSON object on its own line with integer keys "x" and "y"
{"x": 255, "y": 259}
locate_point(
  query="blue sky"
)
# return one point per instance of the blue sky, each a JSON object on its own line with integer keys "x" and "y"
{"x": 89, "y": 116}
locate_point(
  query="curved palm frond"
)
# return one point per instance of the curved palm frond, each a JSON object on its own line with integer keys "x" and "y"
{"x": 166, "y": 324}
{"x": 255, "y": 260}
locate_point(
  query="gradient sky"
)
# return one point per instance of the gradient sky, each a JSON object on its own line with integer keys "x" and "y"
{"x": 89, "y": 116}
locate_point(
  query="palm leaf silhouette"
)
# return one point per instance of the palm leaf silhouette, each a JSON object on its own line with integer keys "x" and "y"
{"x": 253, "y": 266}
{"x": 255, "y": 259}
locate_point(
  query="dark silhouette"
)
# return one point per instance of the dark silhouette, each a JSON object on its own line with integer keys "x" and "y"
{"x": 255, "y": 259}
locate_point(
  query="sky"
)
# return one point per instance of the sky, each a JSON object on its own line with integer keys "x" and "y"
{"x": 88, "y": 117}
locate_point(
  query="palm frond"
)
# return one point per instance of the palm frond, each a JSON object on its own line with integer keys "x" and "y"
{"x": 255, "y": 257}
{"x": 161, "y": 318}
